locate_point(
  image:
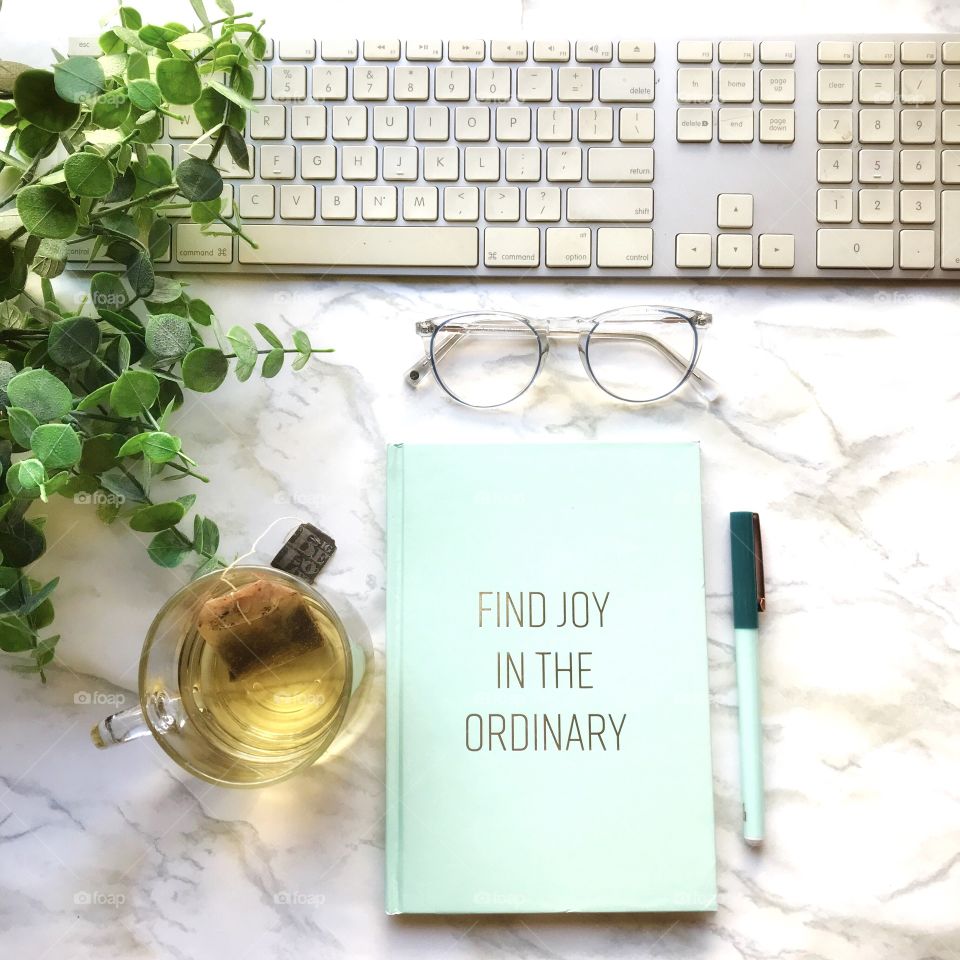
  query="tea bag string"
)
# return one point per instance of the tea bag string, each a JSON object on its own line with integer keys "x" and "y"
{"x": 251, "y": 552}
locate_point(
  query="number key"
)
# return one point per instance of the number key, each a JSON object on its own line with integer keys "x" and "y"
{"x": 876, "y": 166}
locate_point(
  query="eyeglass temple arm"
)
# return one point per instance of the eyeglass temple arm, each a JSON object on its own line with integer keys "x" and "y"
{"x": 417, "y": 374}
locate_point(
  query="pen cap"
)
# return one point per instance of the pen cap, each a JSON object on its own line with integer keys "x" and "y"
{"x": 747, "y": 564}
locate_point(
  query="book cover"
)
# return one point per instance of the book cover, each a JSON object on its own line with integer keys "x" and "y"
{"x": 548, "y": 738}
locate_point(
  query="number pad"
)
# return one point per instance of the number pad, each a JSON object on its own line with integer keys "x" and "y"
{"x": 876, "y": 166}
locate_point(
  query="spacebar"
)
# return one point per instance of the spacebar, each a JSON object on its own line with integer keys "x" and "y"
{"x": 334, "y": 246}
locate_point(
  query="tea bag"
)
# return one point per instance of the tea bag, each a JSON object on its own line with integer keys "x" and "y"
{"x": 258, "y": 627}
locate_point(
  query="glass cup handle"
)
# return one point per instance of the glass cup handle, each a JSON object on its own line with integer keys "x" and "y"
{"x": 120, "y": 727}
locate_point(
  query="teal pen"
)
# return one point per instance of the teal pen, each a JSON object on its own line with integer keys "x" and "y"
{"x": 746, "y": 556}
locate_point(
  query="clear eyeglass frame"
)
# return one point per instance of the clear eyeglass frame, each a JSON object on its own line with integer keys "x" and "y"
{"x": 653, "y": 328}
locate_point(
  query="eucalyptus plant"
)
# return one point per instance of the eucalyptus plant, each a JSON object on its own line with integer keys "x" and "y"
{"x": 90, "y": 386}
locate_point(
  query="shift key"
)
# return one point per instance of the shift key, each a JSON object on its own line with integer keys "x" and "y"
{"x": 855, "y": 249}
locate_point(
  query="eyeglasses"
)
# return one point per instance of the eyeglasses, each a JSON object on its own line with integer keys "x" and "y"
{"x": 637, "y": 354}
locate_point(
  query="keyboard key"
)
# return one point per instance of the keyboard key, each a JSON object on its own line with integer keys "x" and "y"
{"x": 917, "y": 249}
{"x": 543, "y": 204}
{"x": 777, "y": 85}
{"x": 644, "y": 51}
{"x": 918, "y": 86}
{"x": 776, "y": 126}
{"x": 918, "y": 206}
{"x": 338, "y": 203}
{"x": 256, "y": 201}
{"x": 297, "y": 202}
{"x": 379, "y": 203}
{"x": 636, "y": 125}
{"x": 90, "y": 47}
{"x": 734, "y": 251}
{"x": 554, "y": 124}
{"x": 293, "y": 48}
{"x": 950, "y": 52}
{"x": 472, "y": 124}
{"x": 876, "y": 166}
{"x": 695, "y": 51}
{"x": 511, "y": 247}
{"x": 568, "y": 247}
{"x": 318, "y": 162}
{"x": 461, "y": 203}
{"x": 420, "y": 203}
{"x": 348, "y": 123}
{"x": 855, "y": 249}
{"x": 875, "y": 206}
{"x": 777, "y": 251}
{"x": 431, "y": 124}
{"x": 367, "y": 246}
{"x": 508, "y": 51}
{"x": 534, "y": 84}
{"x": 338, "y": 49}
{"x": 493, "y": 84}
{"x": 575, "y": 84}
{"x": 381, "y": 50}
{"x": 624, "y": 247}
{"x": 329, "y": 83}
{"x": 834, "y": 165}
{"x": 501, "y": 204}
{"x": 400, "y": 163}
{"x": 620, "y": 164}
{"x": 551, "y": 51}
{"x": 610, "y": 204}
{"x": 194, "y": 246}
{"x": 918, "y": 51}
{"x": 277, "y": 163}
{"x": 735, "y": 125}
{"x": 441, "y": 164}
{"x": 877, "y": 86}
{"x": 424, "y": 50}
{"x": 268, "y": 123}
{"x": 834, "y": 86}
{"x": 918, "y": 126}
{"x": 369, "y": 83}
{"x": 694, "y": 125}
{"x": 950, "y": 229}
{"x": 466, "y": 50}
{"x": 594, "y": 51}
{"x": 564, "y": 164}
{"x": 290, "y": 83}
{"x": 694, "y": 250}
{"x": 595, "y": 124}
{"x": 626, "y": 84}
{"x": 452, "y": 83}
{"x": 877, "y": 126}
{"x": 918, "y": 166}
{"x": 835, "y": 51}
{"x": 694, "y": 85}
{"x": 523, "y": 164}
{"x": 735, "y": 85}
{"x": 878, "y": 51}
{"x": 778, "y": 51}
{"x": 481, "y": 164}
{"x": 390, "y": 123}
{"x": 735, "y": 211}
{"x": 411, "y": 83}
{"x": 735, "y": 51}
{"x": 950, "y": 166}
{"x": 834, "y": 126}
{"x": 513, "y": 124}
{"x": 950, "y": 86}
{"x": 834, "y": 206}
{"x": 358, "y": 163}
{"x": 308, "y": 123}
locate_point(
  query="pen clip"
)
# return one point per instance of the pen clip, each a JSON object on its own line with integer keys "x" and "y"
{"x": 758, "y": 564}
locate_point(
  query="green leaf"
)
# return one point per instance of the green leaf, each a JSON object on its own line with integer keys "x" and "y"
{"x": 243, "y": 345}
{"x": 201, "y": 313}
{"x": 161, "y": 447}
{"x": 88, "y": 175}
{"x": 51, "y": 259}
{"x": 179, "y": 81}
{"x": 206, "y": 212}
{"x": 168, "y": 335}
{"x": 134, "y": 392}
{"x": 199, "y": 179}
{"x": 21, "y": 542}
{"x": 107, "y": 510}
{"x": 167, "y": 549}
{"x": 152, "y": 174}
{"x": 40, "y": 392}
{"x": 272, "y": 339}
{"x": 226, "y": 6}
{"x": 107, "y": 292}
{"x": 212, "y": 107}
{"x": 15, "y": 635}
{"x": 111, "y": 110}
{"x": 79, "y": 79}
{"x": 47, "y": 212}
{"x": 204, "y": 369}
{"x": 159, "y": 37}
{"x": 35, "y": 95}
{"x": 157, "y": 516}
{"x": 140, "y": 274}
{"x": 22, "y": 423}
{"x": 302, "y": 342}
{"x": 158, "y": 243}
{"x": 26, "y": 478}
{"x": 166, "y": 290}
{"x": 272, "y": 364}
{"x": 138, "y": 66}
{"x": 144, "y": 94}
{"x": 56, "y": 445}
{"x": 33, "y": 142}
{"x": 200, "y": 11}
{"x": 73, "y": 341}
{"x": 100, "y": 453}
{"x": 237, "y": 148}
{"x": 130, "y": 18}
{"x": 99, "y": 396}
{"x": 238, "y": 98}
{"x": 120, "y": 485}
{"x": 206, "y": 536}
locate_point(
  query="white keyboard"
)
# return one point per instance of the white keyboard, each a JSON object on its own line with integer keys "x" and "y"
{"x": 803, "y": 157}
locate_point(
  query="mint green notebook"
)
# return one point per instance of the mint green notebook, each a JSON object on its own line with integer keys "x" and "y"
{"x": 548, "y": 738}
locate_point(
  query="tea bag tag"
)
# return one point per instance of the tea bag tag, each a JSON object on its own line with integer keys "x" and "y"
{"x": 305, "y": 552}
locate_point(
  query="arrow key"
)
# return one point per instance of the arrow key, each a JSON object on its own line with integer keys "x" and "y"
{"x": 693, "y": 250}
{"x": 776, "y": 251}
{"x": 735, "y": 251}
{"x": 735, "y": 211}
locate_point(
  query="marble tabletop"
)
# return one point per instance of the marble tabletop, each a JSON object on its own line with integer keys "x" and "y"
{"x": 838, "y": 423}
